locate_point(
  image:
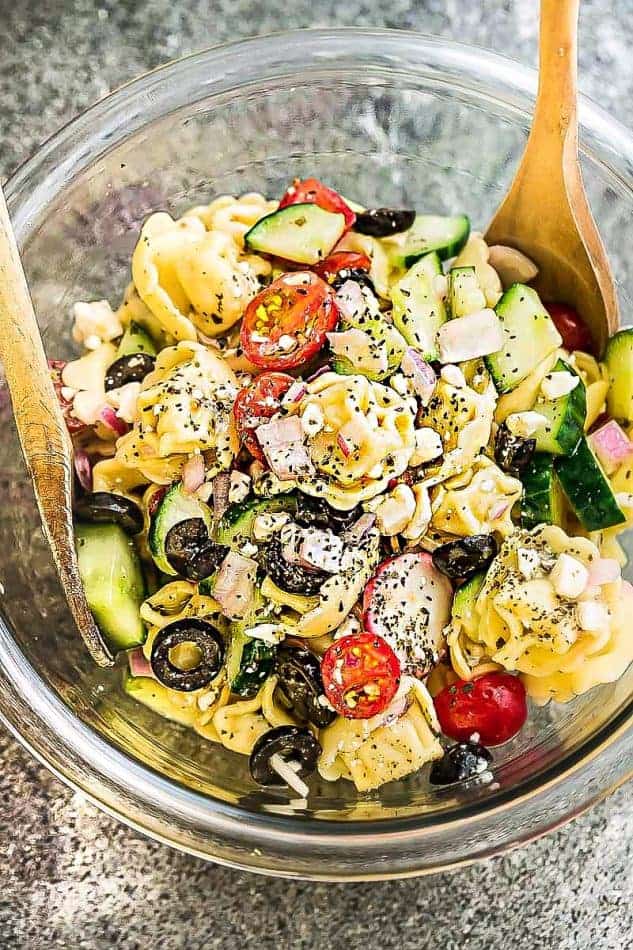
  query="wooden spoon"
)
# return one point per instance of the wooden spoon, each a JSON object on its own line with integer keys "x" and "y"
{"x": 546, "y": 213}
{"x": 43, "y": 435}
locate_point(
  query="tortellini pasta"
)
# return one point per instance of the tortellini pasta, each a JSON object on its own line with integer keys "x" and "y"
{"x": 366, "y": 438}
{"x": 479, "y": 501}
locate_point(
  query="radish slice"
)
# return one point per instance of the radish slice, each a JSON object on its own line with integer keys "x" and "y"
{"x": 612, "y": 446}
{"x": 408, "y": 603}
{"x": 139, "y": 666}
{"x": 193, "y": 474}
{"x": 83, "y": 469}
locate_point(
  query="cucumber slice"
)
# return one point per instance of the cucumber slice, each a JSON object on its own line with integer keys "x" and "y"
{"x": 543, "y": 501}
{"x": 430, "y": 232}
{"x": 380, "y": 343}
{"x": 418, "y": 312}
{"x": 113, "y": 581}
{"x": 565, "y": 417}
{"x": 160, "y": 699}
{"x": 619, "y": 360}
{"x": 176, "y": 506}
{"x": 588, "y": 489}
{"x": 466, "y": 595}
{"x": 303, "y": 233}
{"x": 235, "y": 527}
{"x": 529, "y": 335}
{"x": 135, "y": 340}
{"x": 464, "y": 293}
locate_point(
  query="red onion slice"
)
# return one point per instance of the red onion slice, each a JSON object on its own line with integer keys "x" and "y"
{"x": 110, "y": 419}
{"x": 139, "y": 665}
{"x": 193, "y": 474}
{"x": 319, "y": 372}
{"x": 421, "y": 374}
{"x": 604, "y": 570}
{"x": 83, "y": 469}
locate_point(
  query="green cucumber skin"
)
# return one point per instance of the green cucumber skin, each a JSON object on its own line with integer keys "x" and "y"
{"x": 541, "y": 502}
{"x": 418, "y": 313}
{"x": 113, "y": 581}
{"x": 529, "y": 337}
{"x": 588, "y": 490}
{"x": 466, "y": 595}
{"x": 457, "y": 231}
{"x": 236, "y": 525}
{"x": 135, "y": 340}
{"x": 175, "y": 502}
{"x": 566, "y": 417}
{"x": 304, "y": 233}
{"x": 619, "y": 360}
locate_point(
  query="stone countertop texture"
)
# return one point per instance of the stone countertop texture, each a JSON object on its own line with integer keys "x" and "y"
{"x": 72, "y": 877}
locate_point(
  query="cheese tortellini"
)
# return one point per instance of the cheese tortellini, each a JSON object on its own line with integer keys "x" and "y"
{"x": 479, "y": 501}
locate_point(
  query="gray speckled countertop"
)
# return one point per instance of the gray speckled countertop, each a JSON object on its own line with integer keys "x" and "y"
{"x": 72, "y": 877}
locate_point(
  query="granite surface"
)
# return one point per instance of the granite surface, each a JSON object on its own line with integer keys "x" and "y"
{"x": 72, "y": 877}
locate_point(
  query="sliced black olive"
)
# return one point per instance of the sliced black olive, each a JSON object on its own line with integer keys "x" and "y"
{"x": 317, "y": 513}
{"x": 353, "y": 273}
{"x": 381, "y": 222}
{"x": 512, "y": 452}
{"x": 190, "y": 550}
{"x": 459, "y": 763}
{"x": 292, "y": 744}
{"x": 292, "y": 578}
{"x": 105, "y": 506}
{"x": 256, "y": 665}
{"x": 192, "y": 630}
{"x": 132, "y": 368}
{"x": 299, "y": 685}
{"x": 465, "y": 557}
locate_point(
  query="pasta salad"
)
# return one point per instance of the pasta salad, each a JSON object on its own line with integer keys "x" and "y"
{"x": 349, "y": 492}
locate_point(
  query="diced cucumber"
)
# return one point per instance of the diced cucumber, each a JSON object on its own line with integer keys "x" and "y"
{"x": 162, "y": 700}
{"x": 464, "y": 293}
{"x": 303, "y": 233}
{"x": 588, "y": 489}
{"x": 235, "y": 527}
{"x": 529, "y": 336}
{"x": 135, "y": 340}
{"x": 466, "y": 595}
{"x": 176, "y": 506}
{"x": 376, "y": 351}
{"x": 619, "y": 360}
{"x": 430, "y": 232}
{"x": 565, "y": 417}
{"x": 256, "y": 663}
{"x": 418, "y": 312}
{"x": 113, "y": 582}
{"x": 543, "y": 501}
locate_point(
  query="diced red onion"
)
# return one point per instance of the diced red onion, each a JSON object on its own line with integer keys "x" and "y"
{"x": 612, "y": 446}
{"x": 110, "y": 419}
{"x": 496, "y": 511}
{"x": 83, "y": 469}
{"x": 350, "y": 299}
{"x": 296, "y": 393}
{"x": 221, "y": 487}
{"x": 343, "y": 444}
{"x": 421, "y": 374}
{"x": 282, "y": 444}
{"x": 234, "y": 587}
{"x": 360, "y": 529}
{"x": 193, "y": 474}
{"x": 319, "y": 372}
{"x": 139, "y": 665}
{"x": 604, "y": 570}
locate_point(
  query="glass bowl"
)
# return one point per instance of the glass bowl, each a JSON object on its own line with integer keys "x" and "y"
{"x": 387, "y": 117}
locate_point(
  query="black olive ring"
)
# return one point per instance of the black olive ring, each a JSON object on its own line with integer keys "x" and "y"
{"x": 299, "y": 685}
{"x": 107, "y": 507}
{"x": 463, "y": 761}
{"x": 190, "y": 550}
{"x": 381, "y": 222}
{"x": 192, "y": 630}
{"x": 292, "y": 744}
{"x": 463, "y": 558}
{"x": 132, "y": 368}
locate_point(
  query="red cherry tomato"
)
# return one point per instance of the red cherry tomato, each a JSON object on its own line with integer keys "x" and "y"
{"x": 571, "y": 326}
{"x": 334, "y": 263}
{"x": 73, "y": 424}
{"x": 285, "y": 325}
{"x": 314, "y": 192}
{"x": 256, "y": 404}
{"x": 361, "y": 675}
{"x": 493, "y": 705}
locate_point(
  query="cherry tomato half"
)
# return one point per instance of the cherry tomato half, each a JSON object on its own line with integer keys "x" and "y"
{"x": 493, "y": 705}
{"x": 256, "y": 404}
{"x": 571, "y": 326}
{"x": 314, "y": 192}
{"x": 361, "y": 675}
{"x": 334, "y": 263}
{"x": 285, "y": 325}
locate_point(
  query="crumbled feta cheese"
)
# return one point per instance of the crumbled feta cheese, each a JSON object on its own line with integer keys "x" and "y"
{"x": 239, "y": 486}
{"x": 453, "y": 376}
{"x": 270, "y": 633}
{"x": 528, "y": 562}
{"x": 87, "y": 406}
{"x": 268, "y": 523}
{"x": 124, "y": 399}
{"x": 558, "y": 384}
{"x": 428, "y": 446}
{"x": 361, "y": 349}
{"x": 67, "y": 393}
{"x": 207, "y": 700}
{"x": 321, "y": 549}
{"x": 569, "y": 576}
{"x": 422, "y": 514}
{"x": 395, "y": 510}
{"x": 249, "y": 549}
{"x": 95, "y": 321}
{"x": 376, "y": 472}
{"x": 591, "y": 615}
{"x": 525, "y": 424}
{"x": 312, "y": 420}
{"x": 205, "y": 491}
{"x": 286, "y": 342}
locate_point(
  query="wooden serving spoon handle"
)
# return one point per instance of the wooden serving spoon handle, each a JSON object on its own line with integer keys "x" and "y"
{"x": 41, "y": 428}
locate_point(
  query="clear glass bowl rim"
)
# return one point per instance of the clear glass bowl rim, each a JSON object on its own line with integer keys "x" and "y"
{"x": 136, "y": 795}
